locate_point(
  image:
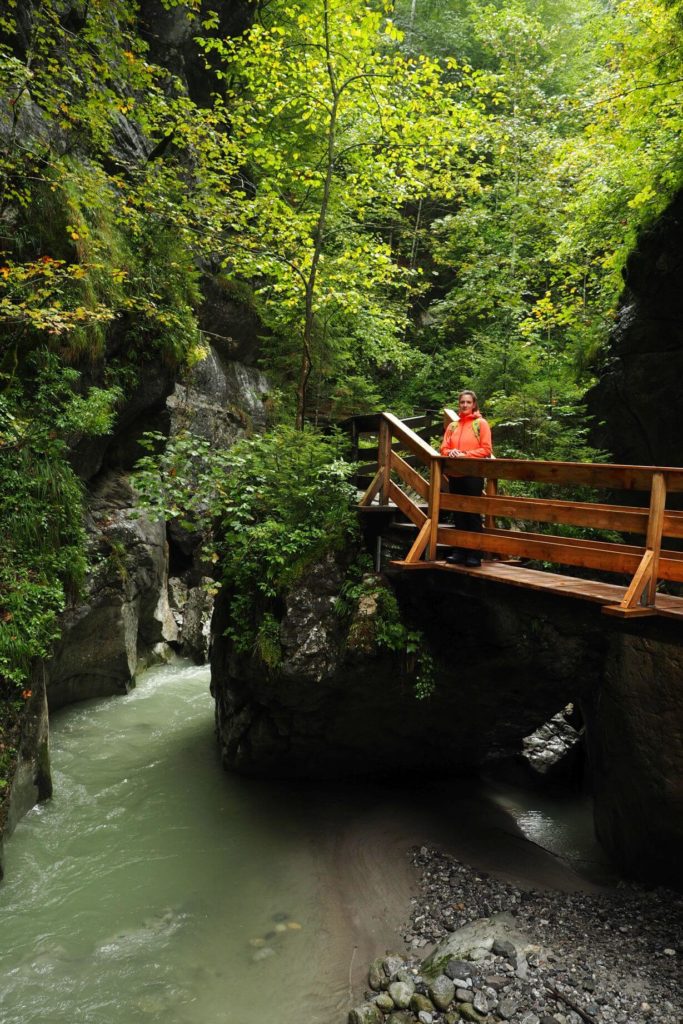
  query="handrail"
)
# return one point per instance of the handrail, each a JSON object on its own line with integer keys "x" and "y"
{"x": 646, "y": 563}
{"x": 410, "y": 439}
{"x": 606, "y": 475}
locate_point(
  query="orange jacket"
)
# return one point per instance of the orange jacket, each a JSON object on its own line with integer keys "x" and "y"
{"x": 471, "y": 434}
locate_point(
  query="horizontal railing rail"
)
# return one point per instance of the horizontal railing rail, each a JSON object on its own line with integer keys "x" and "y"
{"x": 420, "y": 493}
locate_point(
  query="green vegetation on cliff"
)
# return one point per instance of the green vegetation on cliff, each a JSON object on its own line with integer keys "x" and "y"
{"x": 277, "y": 501}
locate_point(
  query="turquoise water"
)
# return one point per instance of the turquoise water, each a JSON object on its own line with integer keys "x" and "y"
{"x": 144, "y": 889}
{"x": 156, "y": 887}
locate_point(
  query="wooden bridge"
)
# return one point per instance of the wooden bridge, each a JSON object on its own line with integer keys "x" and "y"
{"x": 408, "y": 481}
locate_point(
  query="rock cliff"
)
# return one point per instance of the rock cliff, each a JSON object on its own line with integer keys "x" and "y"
{"x": 506, "y": 661}
{"x": 340, "y": 704}
{"x": 636, "y": 402}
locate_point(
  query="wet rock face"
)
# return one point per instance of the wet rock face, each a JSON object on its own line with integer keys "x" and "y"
{"x": 125, "y": 612}
{"x": 555, "y": 750}
{"x": 171, "y": 36}
{"x": 31, "y": 780}
{"x": 636, "y": 404}
{"x": 635, "y": 745}
{"x": 220, "y": 401}
{"x": 340, "y": 705}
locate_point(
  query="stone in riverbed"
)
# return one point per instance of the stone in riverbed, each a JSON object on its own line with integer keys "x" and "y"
{"x": 408, "y": 977}
{"x": 376, "y": 974}
{"x": 501, "y": 947}
{"x": 459, "y": 969}
{"x": 442, "y": 992}
{"x": 507, "y": 1008}
{"x": 366, "y": 1013}
{"x": 420, "y": 1004}
{"x": 467, "y": 1012}
{"x": 480, "y": 1003}
{"x": 401, "y": 1017}
{"x": 385, "y": 1002}
{"x": 496, "y": 981}
{"x": 475, "y": 940}
{"x": 263, "y": 954}
{"x": 401, "y": 994}
{"x": 392, "y": 964}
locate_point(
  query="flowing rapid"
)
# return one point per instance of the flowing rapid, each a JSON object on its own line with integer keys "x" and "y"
{"x": 155, "y": 887}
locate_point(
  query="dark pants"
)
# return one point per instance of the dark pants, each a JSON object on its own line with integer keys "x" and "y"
{"x": 471, "y": 486}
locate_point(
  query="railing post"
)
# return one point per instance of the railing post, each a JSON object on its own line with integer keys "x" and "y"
{"x": 653, "y": 541}
{"x": 434, "y": 506}
{"x": 490, "y": 490}
{"x": 384, "y": 459}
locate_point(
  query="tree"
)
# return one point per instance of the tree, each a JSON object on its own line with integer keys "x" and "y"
{"x": 338, "y": 132}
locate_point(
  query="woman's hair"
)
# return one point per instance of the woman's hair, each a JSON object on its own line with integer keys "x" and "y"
{"x": 468, "y": 391}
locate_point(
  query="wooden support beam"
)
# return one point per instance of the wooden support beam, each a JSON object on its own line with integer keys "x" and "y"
{"x": 384, "y": 458}
{"x": 653, "y": 540}
{"x": 420, "y": 544}
{"x": 374, "y": 487}
{"x": 640, "y": 611}
{"x": 617, "y": 558}
{"x": 434, "y": 502}
{"x": 410, "y": 476}
{"x": 406, "y": 505}
{"x": 641, "y": 578}
{"x": 491, "y": 491}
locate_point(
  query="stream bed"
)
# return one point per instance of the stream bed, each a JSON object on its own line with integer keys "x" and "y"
{"x": 156, "y": 887}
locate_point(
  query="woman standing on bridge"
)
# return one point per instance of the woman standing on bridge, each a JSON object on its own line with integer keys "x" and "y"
{"x": 468, "y": 437}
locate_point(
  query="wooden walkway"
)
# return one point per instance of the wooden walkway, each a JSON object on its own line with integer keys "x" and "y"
{"x": 409, "y": 480}
{"x": 609, "y": 595}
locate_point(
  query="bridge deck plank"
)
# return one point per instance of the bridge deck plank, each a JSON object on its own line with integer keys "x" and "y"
{"x": 534, "y": 579}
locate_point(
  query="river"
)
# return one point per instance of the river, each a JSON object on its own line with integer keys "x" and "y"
{"x": 156, "y": 887}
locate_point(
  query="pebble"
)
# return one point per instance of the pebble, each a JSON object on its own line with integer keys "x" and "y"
{"x": 612, "y": 954}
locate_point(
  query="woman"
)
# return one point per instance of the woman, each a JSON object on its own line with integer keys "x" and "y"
{"x": 468, "y": 437}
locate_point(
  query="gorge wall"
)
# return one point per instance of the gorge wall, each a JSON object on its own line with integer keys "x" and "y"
{"x": 505, "y": 661}
{"x": 636, "y": 403}
{"x": 340, "y": 704}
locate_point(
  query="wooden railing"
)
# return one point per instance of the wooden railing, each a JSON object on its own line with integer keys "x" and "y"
{"x": 417, "y": 491}
{"x": 364, "y": 433}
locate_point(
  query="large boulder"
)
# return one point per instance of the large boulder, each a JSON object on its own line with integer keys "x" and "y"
{"x": 124, "y": 613}
{"x": 340, "y": 703}
{"x": 219, "y": 401}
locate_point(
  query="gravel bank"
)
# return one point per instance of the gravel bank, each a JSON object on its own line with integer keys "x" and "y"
{"x": 611, "y": 957}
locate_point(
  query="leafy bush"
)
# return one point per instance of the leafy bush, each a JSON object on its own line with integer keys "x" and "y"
{"x": 278, "y": 502}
